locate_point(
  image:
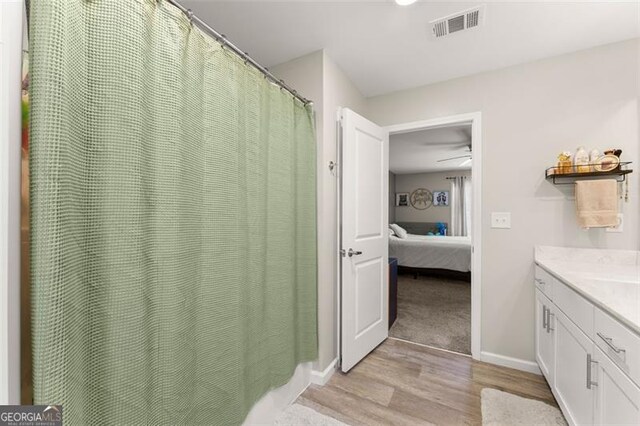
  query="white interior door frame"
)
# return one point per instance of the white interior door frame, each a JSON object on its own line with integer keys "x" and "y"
{"x": 474, "y": 119}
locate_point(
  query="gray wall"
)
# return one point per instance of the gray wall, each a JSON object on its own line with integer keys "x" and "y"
{"x": 436, "y": 181}
{"x": 530, "y": 113}
{"x": 318, "y": 78}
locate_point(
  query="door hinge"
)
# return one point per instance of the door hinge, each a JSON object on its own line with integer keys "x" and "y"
{"x": 343, "y": 252}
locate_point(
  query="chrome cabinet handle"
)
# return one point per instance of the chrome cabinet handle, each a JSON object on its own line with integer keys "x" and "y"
{"x": 544, "y": 317}
{"x": 609, "y": 342}
{"x": 589, "y": 381}
{"x": 549, "y": 315}
{"x": 353, "y": 252}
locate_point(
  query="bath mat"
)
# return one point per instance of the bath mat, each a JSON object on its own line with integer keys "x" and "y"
{"x": 297, "y": 414}
{"x": 502, "y": 408}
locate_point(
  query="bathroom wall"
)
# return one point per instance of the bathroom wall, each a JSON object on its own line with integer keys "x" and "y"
{"x": 317, "y": 77}
{"x": 530, "y": 113}
{"x": 436, "y": 181}
{"x": 338, "y": 91}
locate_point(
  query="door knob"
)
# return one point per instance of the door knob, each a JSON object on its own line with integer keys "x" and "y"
{"x": 353, "y": 252}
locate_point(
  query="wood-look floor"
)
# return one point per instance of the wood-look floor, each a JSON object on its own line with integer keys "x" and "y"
{"x": 401, "y": 383}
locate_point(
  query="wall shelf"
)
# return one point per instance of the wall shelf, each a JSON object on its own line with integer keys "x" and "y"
{"x": 553, "y": 174}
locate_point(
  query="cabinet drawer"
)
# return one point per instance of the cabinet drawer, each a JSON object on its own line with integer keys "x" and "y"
{"x": 544, "y": 281}
{"x": 619, "y": 343}
{"x": 574, "y": 306}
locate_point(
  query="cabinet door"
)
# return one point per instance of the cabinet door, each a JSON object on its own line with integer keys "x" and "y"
{"x": 573, "y": 368}
{"x": 544, "y": 337}
{"x": 617, "y": 397}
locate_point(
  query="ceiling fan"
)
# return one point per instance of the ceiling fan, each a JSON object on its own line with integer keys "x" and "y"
{"x": 468, "y": 157}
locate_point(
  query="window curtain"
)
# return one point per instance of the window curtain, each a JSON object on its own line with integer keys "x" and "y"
{"x": 173, "y": 202}
{"x": 461, "y": 206}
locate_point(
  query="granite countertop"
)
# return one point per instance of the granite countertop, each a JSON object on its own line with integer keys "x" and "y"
{"x": 610, "y": 279}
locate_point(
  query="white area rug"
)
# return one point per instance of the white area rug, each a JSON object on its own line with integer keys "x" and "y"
{"x": 502, "y": 408}
{"x": 297, "y": 414}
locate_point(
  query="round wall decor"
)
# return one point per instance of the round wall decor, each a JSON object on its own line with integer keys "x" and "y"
{"x": 421, "y": 199}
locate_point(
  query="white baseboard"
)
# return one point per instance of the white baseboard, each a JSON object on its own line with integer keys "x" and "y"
{"x": 322, "y": 377}
{"x": 507, "y": 361}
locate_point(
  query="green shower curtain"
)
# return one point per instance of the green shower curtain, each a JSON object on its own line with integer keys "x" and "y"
{"x": 173, "y": 249}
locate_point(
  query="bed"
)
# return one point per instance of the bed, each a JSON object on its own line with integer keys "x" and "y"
{"x": 432, "y": 252}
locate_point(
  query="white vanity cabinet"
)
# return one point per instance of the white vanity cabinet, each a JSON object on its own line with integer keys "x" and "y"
{"x": 587, "y": 356}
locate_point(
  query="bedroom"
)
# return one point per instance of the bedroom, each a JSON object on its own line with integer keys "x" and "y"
{"x": 430, "y": 236}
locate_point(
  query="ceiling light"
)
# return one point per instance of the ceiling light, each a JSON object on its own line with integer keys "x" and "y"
{"x": 405, "y": 2}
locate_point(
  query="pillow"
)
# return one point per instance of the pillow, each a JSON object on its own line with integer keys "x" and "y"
{"x": 391, "y": 232}
{"x": 399, "y": 231}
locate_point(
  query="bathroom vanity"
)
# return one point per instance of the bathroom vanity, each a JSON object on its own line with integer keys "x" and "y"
{"x": 587, "y": 332}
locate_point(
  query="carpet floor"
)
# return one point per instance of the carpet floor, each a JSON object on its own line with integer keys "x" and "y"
{"x": 434, "y": 312}
{"x": 504, "y": 409}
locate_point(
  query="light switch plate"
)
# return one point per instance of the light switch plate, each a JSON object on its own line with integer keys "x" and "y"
{"x": 501, "y": 220}
{"x": 620, "y": 226}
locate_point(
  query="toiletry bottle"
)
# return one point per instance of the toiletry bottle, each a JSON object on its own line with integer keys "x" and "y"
{"x": 564, "y": 163}
{"x": 593, "y": 158}
{"x": 581, "y": 160}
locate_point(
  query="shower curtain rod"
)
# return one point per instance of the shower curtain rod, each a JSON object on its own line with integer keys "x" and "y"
{"x": 243, "y": 55}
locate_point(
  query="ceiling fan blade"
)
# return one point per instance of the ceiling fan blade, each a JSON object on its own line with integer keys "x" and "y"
{"x": 454, "y": 158}
{"x": 448, "y": 144}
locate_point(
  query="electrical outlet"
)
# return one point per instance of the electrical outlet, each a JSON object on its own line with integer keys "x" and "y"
{"x": 501, "y": 220}
{"x": 620, "y": 226}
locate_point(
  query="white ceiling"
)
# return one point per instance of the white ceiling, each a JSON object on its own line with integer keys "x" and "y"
{"x": 384, "y": 47}
{"x": 419, "y": 152}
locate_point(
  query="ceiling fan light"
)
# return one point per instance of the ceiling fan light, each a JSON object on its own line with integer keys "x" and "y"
{"x": 405, "y": 2}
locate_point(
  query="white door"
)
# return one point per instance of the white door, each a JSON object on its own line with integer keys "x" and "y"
{"x": 364, "y": 240}
{"x": 574, "y": 371}
{"x": 617, "y": 397}
{"x": 545, "y": 328}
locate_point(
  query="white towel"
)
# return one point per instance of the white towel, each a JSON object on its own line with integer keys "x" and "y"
{"x": 597, "y": 203}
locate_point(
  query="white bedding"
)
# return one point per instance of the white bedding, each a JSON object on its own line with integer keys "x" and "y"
{"x": 430, "y": 251}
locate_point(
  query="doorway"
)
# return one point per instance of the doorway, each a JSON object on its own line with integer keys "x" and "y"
{"x": 430, "y": 186}
{"x": 453, "y": 148}
{"x": 364, "y": 291}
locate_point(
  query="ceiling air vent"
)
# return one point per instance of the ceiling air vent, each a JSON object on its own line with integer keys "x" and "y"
{"x": 467, "y": 19}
